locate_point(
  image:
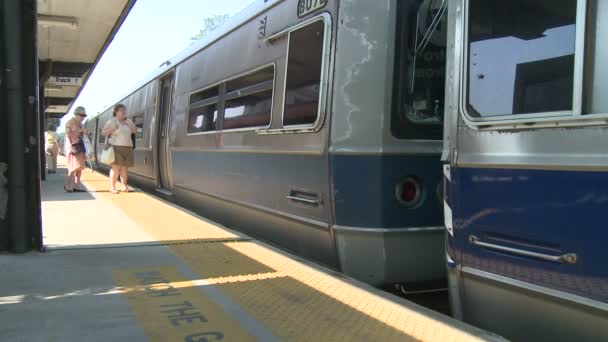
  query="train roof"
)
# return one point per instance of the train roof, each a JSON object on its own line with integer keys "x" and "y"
{"x": 234, "y": 22}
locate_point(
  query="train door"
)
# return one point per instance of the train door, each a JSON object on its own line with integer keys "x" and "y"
{"x": 162, "y": 145}
{"x": 528, "y": 173}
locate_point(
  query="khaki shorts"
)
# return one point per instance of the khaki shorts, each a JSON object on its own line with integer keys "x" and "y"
{"x": 123, "y": 156}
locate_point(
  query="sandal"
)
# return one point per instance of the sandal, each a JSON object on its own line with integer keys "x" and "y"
{"x": 114, "y": 191}
{"x": 66, "y": 189}
{"x": 78, "y": 190}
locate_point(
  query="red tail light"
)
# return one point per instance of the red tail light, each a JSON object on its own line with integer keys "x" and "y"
{"x": 408, "y": 191}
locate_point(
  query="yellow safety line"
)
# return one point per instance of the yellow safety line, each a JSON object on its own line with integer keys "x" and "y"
{"x": 170, "y": 308}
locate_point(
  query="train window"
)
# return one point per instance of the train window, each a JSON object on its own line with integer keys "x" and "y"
{"x": 304, "y": 63}
{"x": 101, "y": 139}
{"x": 203, "y": 119}
{"x": 138, "y": 120}
{"x": 204, "y": 95}
{"x": 420, "y": 59}
{"x": 521, "y": 57}
{"x": 256, "y": 78}
{"x": 248, "y": 111}
{"x": 249, "y": 100}
{"x": 203, "y": 110}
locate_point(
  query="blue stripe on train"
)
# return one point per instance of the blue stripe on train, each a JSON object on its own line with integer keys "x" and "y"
{"x": 364, "y": 190}
{"x": 548, "y": 212}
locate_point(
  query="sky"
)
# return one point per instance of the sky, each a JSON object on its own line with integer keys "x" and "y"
{"x": 153, "y": 32}
{"x": 498, "y": 59}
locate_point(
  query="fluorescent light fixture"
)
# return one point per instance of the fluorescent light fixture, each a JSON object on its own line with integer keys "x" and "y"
{"x": 53, "y": 88}
{"x": 57, "y": 20}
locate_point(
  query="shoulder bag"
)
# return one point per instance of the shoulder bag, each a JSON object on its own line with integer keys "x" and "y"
{"x": 107, "y": 155}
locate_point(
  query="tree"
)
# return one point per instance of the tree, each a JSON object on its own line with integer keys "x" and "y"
{"x": 210, "y": 24}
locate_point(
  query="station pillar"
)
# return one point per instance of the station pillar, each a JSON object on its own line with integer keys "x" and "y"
{"x": 20, "y": 148}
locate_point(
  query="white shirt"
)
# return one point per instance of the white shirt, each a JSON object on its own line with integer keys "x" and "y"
{"x": 121, "y": 136}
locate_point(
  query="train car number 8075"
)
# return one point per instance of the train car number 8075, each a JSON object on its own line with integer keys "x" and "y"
{"x": 308, "y": 6}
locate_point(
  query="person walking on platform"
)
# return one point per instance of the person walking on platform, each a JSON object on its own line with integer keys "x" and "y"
{"x": 51, "y": 147}
{"x": 75, "y": 150}
{"x": 119, "y": 130}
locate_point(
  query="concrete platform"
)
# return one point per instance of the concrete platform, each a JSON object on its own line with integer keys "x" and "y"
{"x": 131, "y": 267}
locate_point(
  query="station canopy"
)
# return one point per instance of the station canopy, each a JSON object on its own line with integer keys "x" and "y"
{"x": 72, "y": 37}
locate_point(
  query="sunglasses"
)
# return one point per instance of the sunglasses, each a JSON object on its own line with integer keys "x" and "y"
{"x": 80, "y": 114}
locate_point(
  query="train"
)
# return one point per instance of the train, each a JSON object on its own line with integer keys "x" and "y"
{"x": 306, "y": 124}
{"x": 413, "y": 142}
{"x": 525, "y": 168}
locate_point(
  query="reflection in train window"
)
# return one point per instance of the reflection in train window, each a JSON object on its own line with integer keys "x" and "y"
{"x": 304, "y": 64}
{"x": 138, "y": 120}
{"x": 203, "y": 119}
{"x": 256, "y": 78}
{"x": 520, "y": 56}
{"x": 249, "y": 100}
{"x": 202, "y": 116}
{"x": 101, "y": 138}
{"x": 248, "y": 111}
{"x": 596, "y": 87}
{"x": 204, "y": 95}
{"x": 419, "y": 78}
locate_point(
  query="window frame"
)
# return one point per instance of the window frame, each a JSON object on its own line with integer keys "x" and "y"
{"x": 224, "y": 95}
{"x": 143, "y": 123}
{"x": 572, "y": 117}
{"x": 202, "y": 103}
{"x": 324, "y": 83}
{"x": 401, "y": 66}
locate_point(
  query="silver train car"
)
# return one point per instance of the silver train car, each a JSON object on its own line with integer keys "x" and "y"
{"x": 315, "y": 125}
{"x": 526, "y": 169}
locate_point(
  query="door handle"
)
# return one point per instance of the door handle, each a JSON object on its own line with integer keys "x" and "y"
{"x": 303, "y": 200}
{"x": 306, "y": 198}
{"x": 568, "y": 258}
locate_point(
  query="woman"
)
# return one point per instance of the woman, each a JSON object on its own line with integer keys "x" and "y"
{"x": 51, "y": 147}
{"x": 75, "y": 150}
{"x": 119, "y": 130}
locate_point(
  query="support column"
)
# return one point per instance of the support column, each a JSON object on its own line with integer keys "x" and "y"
{"x": 4, "y": 231}
{"x": 17, "y": 200}
{"x": 33, "y": 123}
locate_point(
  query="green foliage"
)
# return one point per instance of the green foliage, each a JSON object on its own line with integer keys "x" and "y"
{"x": 210, "y": 24}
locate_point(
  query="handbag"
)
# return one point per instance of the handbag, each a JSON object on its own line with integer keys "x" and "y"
{"x": 88, "y": 147}
{"x": 78, "y": 147}
{"x": 107, "y": 155}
